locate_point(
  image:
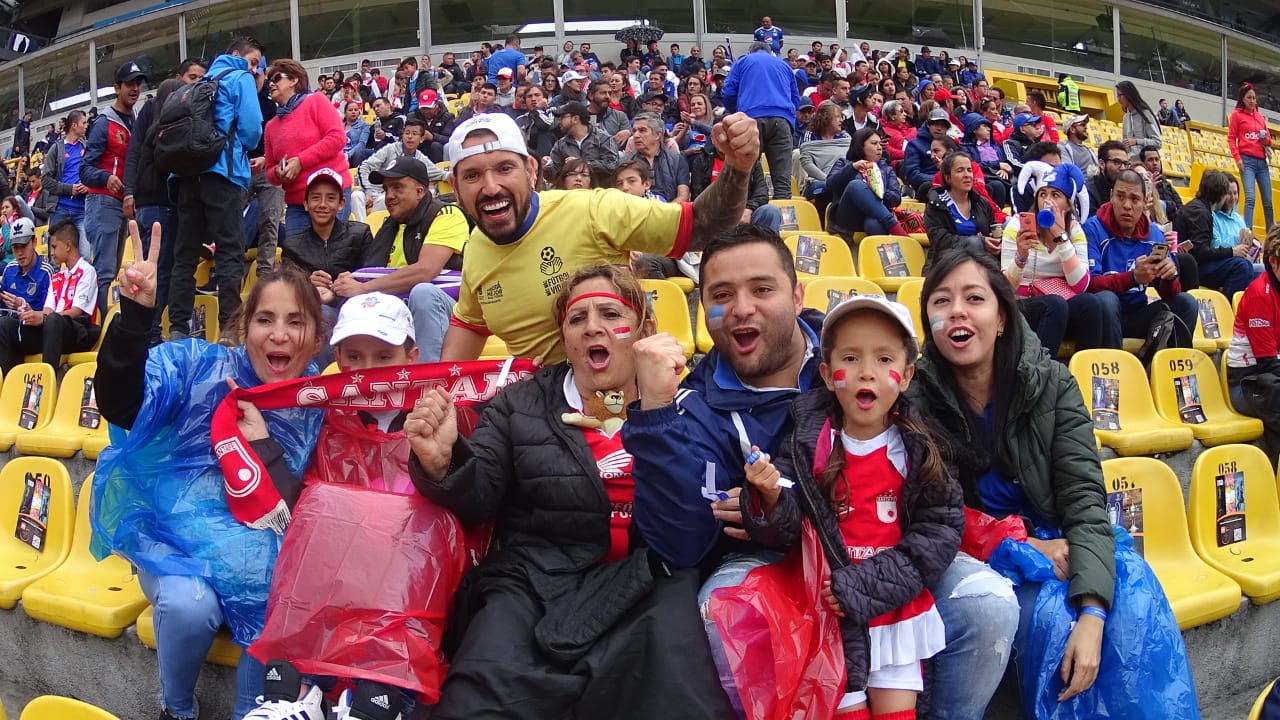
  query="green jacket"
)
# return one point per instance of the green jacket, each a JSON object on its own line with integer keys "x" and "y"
{"x": 1050, "y": 442}
{"x": 1069, "y": 94}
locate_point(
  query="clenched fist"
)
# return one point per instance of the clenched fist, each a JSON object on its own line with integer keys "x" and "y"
{"x": 432, "y": 428}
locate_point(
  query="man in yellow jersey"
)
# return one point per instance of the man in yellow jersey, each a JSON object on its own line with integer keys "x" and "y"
{"x": 526, "y": 243}
{"x": 426, "y": 236}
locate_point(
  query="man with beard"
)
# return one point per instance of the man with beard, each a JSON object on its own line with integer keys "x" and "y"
{"x": 1074, "y": 150}
{"x": 526, "y": 244}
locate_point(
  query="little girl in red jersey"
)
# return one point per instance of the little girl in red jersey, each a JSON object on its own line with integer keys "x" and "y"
{"x": 875, "y": 486}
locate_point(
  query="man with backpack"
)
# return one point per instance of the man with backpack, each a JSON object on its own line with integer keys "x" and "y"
{"x": 102, "y": 172}
{"x": 206, "y": 129}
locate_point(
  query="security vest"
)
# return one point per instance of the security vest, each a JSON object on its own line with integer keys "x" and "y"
{"x": 1068, "y": 95}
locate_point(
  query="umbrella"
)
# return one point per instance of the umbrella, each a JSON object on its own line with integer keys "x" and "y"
{"x": 641, "y": 33}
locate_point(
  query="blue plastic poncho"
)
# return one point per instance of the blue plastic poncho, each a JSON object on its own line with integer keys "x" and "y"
{"x": 158, "y": 499}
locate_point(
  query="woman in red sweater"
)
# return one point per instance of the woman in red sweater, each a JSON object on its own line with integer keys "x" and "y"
{"x": 1250, "y": 141}
{"x": 304, "y": 136}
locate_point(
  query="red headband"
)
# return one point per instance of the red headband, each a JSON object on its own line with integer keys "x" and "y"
{"x": 611, "y": 296}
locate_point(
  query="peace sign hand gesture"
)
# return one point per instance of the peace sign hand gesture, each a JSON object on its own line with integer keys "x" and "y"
{"x": 138, "y": 282}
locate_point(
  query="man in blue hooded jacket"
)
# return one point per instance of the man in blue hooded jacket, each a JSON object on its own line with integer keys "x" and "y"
{"x": 766, "y": 353}
{"x": 210, "y": 204}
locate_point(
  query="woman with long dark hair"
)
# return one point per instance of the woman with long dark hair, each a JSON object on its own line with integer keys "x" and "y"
{"x": 1250, "y": 143}
{"x": 864, "y": 188}
{"x": 1141, "y": 128}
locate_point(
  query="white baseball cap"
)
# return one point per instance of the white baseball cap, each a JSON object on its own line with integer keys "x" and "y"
{"x": 377, "y": 315}
{"x": 571, "y": 75}
{"x": 22, "y": 231}
{"x": 501, "y": 125}
{"x": 896, "y": 311}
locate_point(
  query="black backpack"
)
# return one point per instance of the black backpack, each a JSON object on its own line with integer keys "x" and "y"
{"x": 1166, "y": 331}
{"x": 187, "y": 140}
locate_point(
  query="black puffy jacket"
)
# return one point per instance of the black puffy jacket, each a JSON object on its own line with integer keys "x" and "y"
{"x": 350, "y": 246}
{"x": 932, "y": 523}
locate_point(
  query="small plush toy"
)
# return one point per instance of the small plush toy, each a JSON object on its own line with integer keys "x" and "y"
{"x": 606, "y": 410}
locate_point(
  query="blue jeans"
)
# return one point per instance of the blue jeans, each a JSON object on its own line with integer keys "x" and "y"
{"x": 103, "y": 223}
{"x": 187, "y": 618}
{"x": 767, "y": 216}
{"x": 1232, "y": 274}
{"x": 78, "y": 219}
{"x": 167, "y": 216}
{"x": 1254, "y": 170}
{"x": 732, "y": 572}
{"x": 859, "y": 210}
{"x": 431, "y": 309}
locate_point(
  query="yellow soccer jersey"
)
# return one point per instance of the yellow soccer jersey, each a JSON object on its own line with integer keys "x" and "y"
{"x": 449, "y": 229}
{"x": 508, "y": 290}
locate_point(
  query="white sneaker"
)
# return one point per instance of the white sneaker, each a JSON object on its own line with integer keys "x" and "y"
{"x": 310, "y": 707}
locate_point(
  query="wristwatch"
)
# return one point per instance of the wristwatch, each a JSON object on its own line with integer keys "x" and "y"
{"x": 1064, "y": 237}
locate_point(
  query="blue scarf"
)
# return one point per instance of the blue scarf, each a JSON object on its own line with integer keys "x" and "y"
{"x": 291, "y": 104}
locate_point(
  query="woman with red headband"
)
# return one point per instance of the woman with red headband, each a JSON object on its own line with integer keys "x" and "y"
{"x": 570, "y": 615}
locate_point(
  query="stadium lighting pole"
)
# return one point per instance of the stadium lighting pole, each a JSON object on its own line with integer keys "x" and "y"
{"x": 842, "y": 22}
{"x": 22, "y": 91}
{"x": 93, "y": 72}
{"x": 182, "y": 35}
{"x": 557, "y": 14}
{"x": 979, "y": 31}
{"x": 424, "y": 26}
{"x": 1115, "y": 41}
{"x": 1226, "y": 113}
{"x": 295, "y": 34}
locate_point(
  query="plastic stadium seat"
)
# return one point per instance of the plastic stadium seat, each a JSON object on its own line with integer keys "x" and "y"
{"x": 330, "y": 369}
{"x": 817, "y": 253}
{"x": 1186, "y": 389}
{"x": 1144, "y": 497}
{"x": 909, "y": 295}
{"x": 1235, "y": 301}
{"x": 223, "y": 652}
{"x": 99, "y": 598}
{"x": 824, "y": 293}
{"x": 75, "y": 417}
{"x": 95, "y": 444}
{"x": 683, "y": 282}
{"x": 1216, "y": 322}
{"x": 375, "y": 219}
{"x": 27, "y": 399}
{"x": 670, "y": 311}
{"x": 702, "y": 341}
{"x": 53, "y": 707}
{"x": 36, "y": 496}
{"x": 1256, "y": 711}
{"x": 1235, "y": 520}
{"x": 1118, "y": 398}
{"x": 204, "y": 319}
{"x": 494, "y": 349}
{"x": 890, "y": 260}
{"x": 798, "y": 214}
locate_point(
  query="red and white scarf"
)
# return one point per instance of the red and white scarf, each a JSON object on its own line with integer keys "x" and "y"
{"x": 256, "y": 503}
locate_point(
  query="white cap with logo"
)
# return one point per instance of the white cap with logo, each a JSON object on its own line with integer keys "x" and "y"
{"x": 895, "y": 311}
{"x": 501, "y": 125}
{"x": 377, "y": 315}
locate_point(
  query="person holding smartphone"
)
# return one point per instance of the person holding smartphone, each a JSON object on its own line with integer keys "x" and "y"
{"x": 1220, "y": 241}
{"x": 24, "y": 282}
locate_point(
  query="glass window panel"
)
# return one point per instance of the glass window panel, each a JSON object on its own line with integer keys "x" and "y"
{"x": 463, "y": 22}
{"x": 1076, "y": 34}
{"x": 331, "y": 27}
{"x": 153, "y": 45}
{"x": 801, "y": 23}
{"x": 9, "y": 98}
{"x": 936, "y": 23}
{"x": 58, "y": 83}
{"x": 1249, "y": 63}
{"x": 1169, "y": 52}
{"x": 673, "y": 16}
{"x": 211, "y": 29}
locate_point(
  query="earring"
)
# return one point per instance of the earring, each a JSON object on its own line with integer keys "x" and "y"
{"x": 1000, "y": 332}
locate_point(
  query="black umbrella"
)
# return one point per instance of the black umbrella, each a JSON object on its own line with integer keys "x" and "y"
{"x": 641, "y": 33}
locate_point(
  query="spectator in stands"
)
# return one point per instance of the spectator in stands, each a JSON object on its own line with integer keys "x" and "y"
{"x": 1181, "y": 109}
{"x": 1121, "y": 266}
{"x": 303, "y": 137}
{"x": 1221, "y": 242}
{"x": 22, "y": 134}
{"x": 693, "y": 63}
{"x": 1113, "y": 159}
{"x": 926, "y": 64}
{"x": 102, "y": 170}
{"x": 826, "y": 142}
{"x": 988, "y": 157}
{"x": 972, "y": 76}
{"x": 505, "y": 97}
{"x": 575, "y": 174}
{"x": 448, "y": 63}
{"x": 1172, "y": 202}
{"x": 1167, "y": 115}
{"x": 368, "y": 197}
{"x": 388, "y": 123}
{"x": 331, "y": 246}
{"x": 918, "y": 165}
{"x": 571, "y": 85}
{"x": 1036, "y": 105}
{"x": 538, "y": 124}
{"x": 761, "y": 86}
{"x": 674, "y": 57}
{"x": 1253, "y": 357}
{"x": 41, "y": 202}
{"x": 864, "y": 187}
{"x": 592, "y": 569}
{"x": 581, "y": 139}
{"x": 1140, "y": 128}
{"x": 209, "y": 204}
{"x": 1028, "y": 129}
{"x": 482, "y": 99}
{"x": 1020, "y": 439}
{"x": 62, "y": 321}
{"x": 1249, "y": 139}
{"x": 510, "y": 57}
{"x": 769, "y": 34}
{"x": 439, "y": 124}
{"x": 559, "y": 228}
{"x": 897, "y": 132}
{"x": 61, "y": 174}
{"x": 670, "y": 169}
{"x": 1075, "y": 129}
{"x": 146, "y": 189}
{"x": 862, "y": 109}
{"x": 24, "y": 283}
{"x": 614, "y": 123}
{"x": 956, "y": 214}
{"x": 356, "y": 129}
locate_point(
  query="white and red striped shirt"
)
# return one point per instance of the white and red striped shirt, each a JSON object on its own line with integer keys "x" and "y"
{"x": 76, "y": 286}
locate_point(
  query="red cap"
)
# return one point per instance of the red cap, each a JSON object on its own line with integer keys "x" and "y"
{"x": 427, "y": 97}
{"x": 942, "y": 94}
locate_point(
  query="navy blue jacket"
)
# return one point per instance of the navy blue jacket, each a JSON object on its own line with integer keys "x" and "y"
{"x": 918, "y": 164}
{"x": 672, "y": 446}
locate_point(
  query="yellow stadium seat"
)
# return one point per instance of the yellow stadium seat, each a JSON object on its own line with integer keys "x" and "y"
{"x": 1118, "y": 398}
{"x": 1235, "y": 301}
{"x": 911, "y": 205}
{"x": 444, "y": 187}
{"x": 203, "y": 271}
{"x": 1186, "y": 390}
{"x": 1144, "y": 497}
{"x": 685, "y": 284}
{"x": 824, "y": 293}
{"x": 890, "y": 260}
{"x": 331, "y": 369}
{"x": 1216, "y": 320}
{"x": 798, "y": 214}
{"x": 36, "y": 496}
{"x": 1256, "y": 711}
{"x": 909, "y": 295}
{"x": 204, "y": 319}
{"x": 670, "y": 311}
{"x": 494, "y": 349}
{"x": 95, "y": 444}
{"x": 99, "y": 598}
{"x": 375, "y": 219}
{"x": 1234, "y": 518}
{"x": 223, "y": 652}
{"x": 701, "y": 333}
{"x": 818, "y": 253}
{"x": 3, "y": 716}
{"x": 27, "y": 399}
{"x": 53, "y": 707}
{"x": 75, "y": 417}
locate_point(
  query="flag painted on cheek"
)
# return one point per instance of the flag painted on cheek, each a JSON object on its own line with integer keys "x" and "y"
{"x": 715, "y": 317}
{"x": 838, "y": 379}
{"x": 622, "y": 333}
{"x": 895, "y": 377}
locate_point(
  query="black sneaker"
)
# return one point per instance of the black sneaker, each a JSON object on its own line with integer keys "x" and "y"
{"x": 374, "y": 701}
{"x": 209, "y": 288}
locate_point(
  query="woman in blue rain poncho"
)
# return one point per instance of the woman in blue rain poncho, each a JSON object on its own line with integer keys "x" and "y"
{"x": 158, "y": 497}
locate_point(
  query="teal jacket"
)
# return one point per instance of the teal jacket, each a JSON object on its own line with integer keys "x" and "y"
{"x": 1050, "y": 440}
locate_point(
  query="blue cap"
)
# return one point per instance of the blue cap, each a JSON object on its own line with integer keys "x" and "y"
{"x": 1023, "y": 119}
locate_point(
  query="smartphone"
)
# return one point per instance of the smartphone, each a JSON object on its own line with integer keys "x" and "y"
{"x": 283, "y": 164}
{"x": 1159, "y": 251}
{"x": 1027, "y": 220}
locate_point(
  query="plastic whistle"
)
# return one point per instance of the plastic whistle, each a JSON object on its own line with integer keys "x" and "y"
{"x": 755, "y": 456}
